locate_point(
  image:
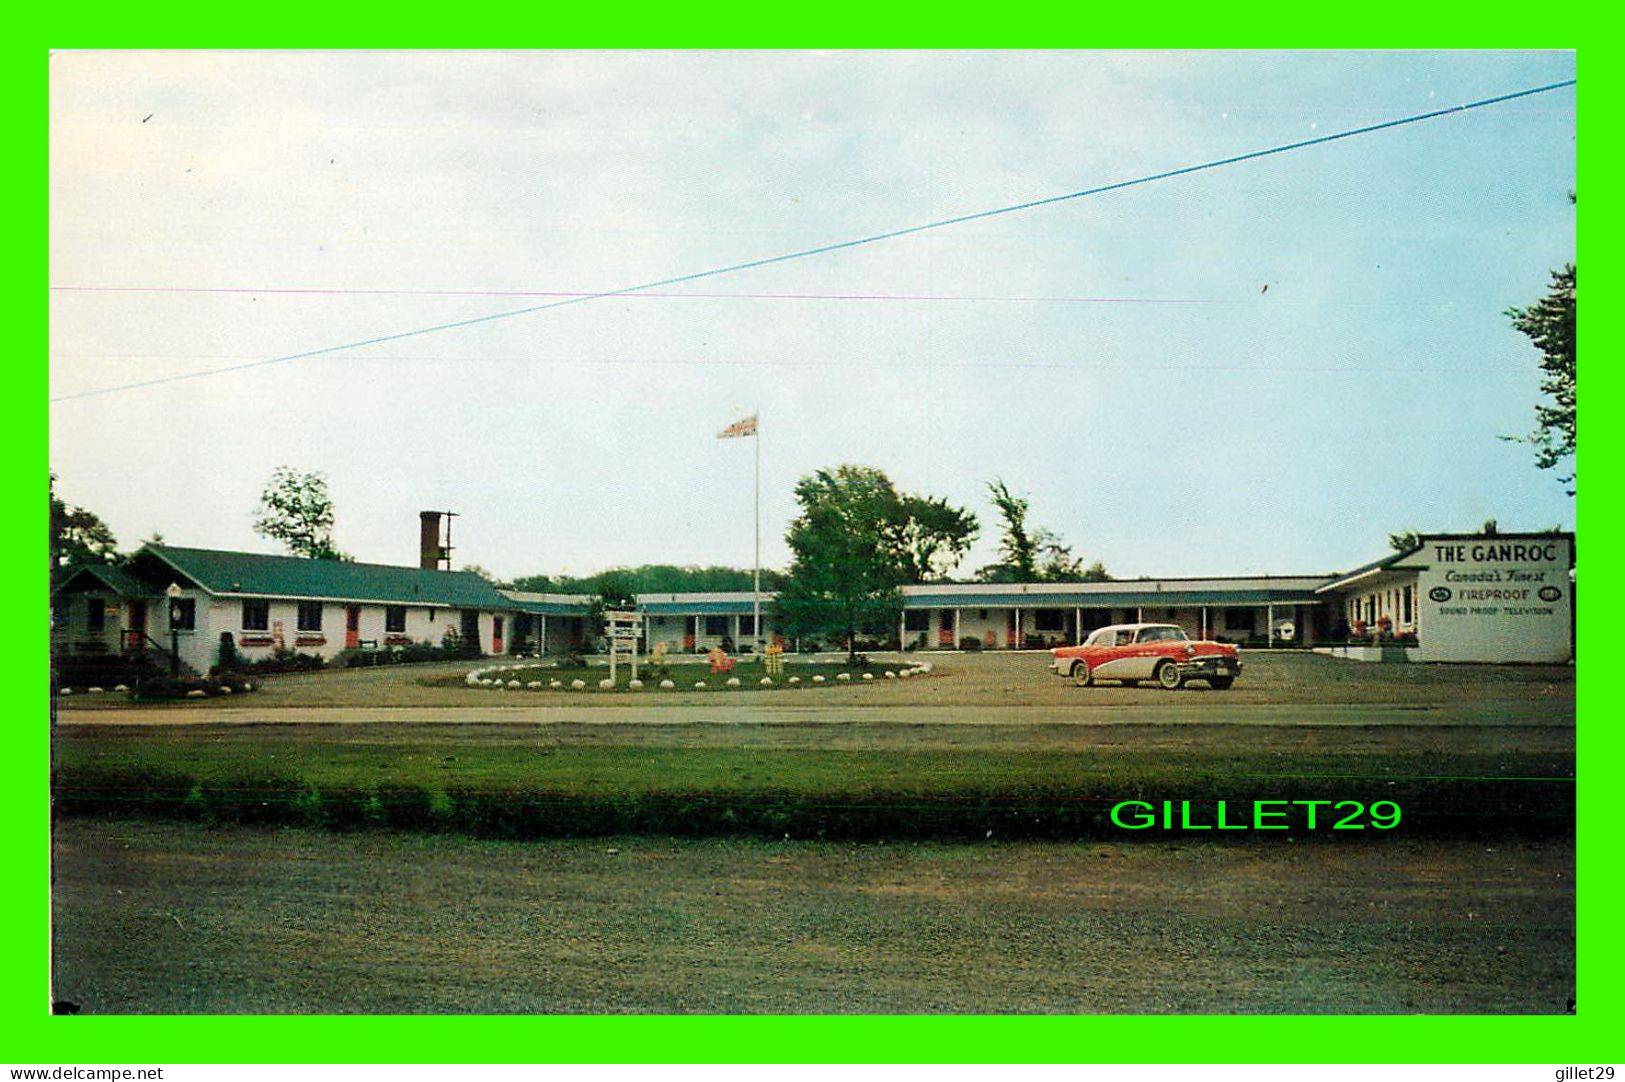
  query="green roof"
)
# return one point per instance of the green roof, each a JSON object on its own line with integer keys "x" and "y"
{"x": 251, "y": 574}
{"x": 113, "y": 577}
{"x": 1114, "y": 600}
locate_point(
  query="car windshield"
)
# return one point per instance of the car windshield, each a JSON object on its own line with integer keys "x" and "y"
{"x": 1161, "y": 634}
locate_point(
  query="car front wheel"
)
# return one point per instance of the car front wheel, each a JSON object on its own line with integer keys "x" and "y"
{"x": 1080, "y": 675}
{"x": 1168, "y": 675}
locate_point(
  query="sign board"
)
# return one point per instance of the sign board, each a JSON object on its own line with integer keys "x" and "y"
{"x": 623, "y": 625}
{"x": 1497, "y": 598}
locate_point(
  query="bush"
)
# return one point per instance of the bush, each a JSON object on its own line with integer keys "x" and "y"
{"x": 285, "y": 660}
{"x": 228, "y": 651}
{"x": 122, "y": 790}
{"x": 181, "y": 687}
{"x": 405, "y": 807}
{"x": 342, "y": 807}
{"x": 970, "y": 642}
{"x": 101, "y": 670}
{"x": 257, "y": 798}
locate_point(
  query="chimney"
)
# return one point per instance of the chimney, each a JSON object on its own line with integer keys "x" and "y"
{"x": 430, "y": 551}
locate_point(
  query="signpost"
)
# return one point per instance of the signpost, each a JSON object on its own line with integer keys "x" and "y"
{"x": 623, "y": 628}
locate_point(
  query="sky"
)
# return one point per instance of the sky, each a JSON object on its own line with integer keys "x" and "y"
{"x": 1264, "y": 368}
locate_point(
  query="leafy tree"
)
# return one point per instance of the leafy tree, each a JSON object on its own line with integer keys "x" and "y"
{"x": 855, "y": 542}
{"x": 1095, "y": 572}
{"x": 932, "y": 537}
{"x": 78, "y": 536}
{"x": 652, "y": 579}
{"x": 488, "y": 576}
{"x": 1405, "y": 542}
{"x": 1033, "y": 553}
{"x": 1017, "y": 546}
{"x": 296, "y": 510}
{"x": 1550, "y": 325}
{"x": 1490, "y": 528}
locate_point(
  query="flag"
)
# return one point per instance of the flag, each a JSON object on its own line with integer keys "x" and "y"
{"x": 747, "y": 427}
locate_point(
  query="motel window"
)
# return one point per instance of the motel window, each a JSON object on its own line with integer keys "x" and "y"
{"x": 95, "y": 614}
{"x": 256, "y": 615}
{"x": 660, "y": 621}
{"x": 916, "y": 620}
{"x": 1405, "y": 604}
{"x": 1049, "y": 619}
{"x": 747, "y": 625}
{"x": 716, "y": 625}
{"x": 1238, "y": 619}
{"x": 183, "y": 614}
{"x": 310, "y": 616}
{"x": 981, "y": 614}
{"x": 395, "y": 618}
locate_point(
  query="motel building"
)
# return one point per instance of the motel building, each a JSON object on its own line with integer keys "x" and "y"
{"x": 190, "y": 599}
{"x": 1455, "y": 597}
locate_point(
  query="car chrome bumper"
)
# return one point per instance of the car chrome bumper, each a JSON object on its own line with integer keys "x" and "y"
{"x": 1210, "y": 666}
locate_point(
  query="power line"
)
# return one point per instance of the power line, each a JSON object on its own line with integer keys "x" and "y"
{"x": 837, "y": 246}
{"x": 684, "y": 296}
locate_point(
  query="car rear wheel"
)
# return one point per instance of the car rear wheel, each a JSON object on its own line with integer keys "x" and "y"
{"x": 1080, "y": 674}
{"x": 1220, "y": 683}
{"x": 1168, "y": 675}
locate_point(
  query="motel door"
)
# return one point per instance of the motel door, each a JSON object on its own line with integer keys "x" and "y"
{"x": 136, "y": 629}
{"x": 352, "y": 627}
{"x": 496, "y": 634}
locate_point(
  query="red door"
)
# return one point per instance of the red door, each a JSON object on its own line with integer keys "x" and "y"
{"x": 135, "y": 630}
{"x": 496, "y": 634}
{"x": 352, "y": 627}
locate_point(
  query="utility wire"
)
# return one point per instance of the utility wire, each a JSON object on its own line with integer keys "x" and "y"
{"x": 838, "y": 246}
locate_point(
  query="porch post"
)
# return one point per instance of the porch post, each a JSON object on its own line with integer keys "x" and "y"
{"x": 956, "y": 629}
{"x": 1077, "y": 626}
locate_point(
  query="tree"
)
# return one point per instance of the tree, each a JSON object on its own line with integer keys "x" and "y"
{"x": 1017, "y": 547}
{"x": 855, "y": 542}
{"x": 653, "y": 579}
{"x": 296, "y": 510}
{"x": 1405, "y": 542}
{"x": 78, "y": 536}
{"x": 1549, "y": 323}
{"x": 1033, "y": 554}
{"x": 488, "y": 576}
{"x": 933, "y": 537}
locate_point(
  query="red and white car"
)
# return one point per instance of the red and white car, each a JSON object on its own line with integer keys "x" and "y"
{"x": 1131, "y": 653}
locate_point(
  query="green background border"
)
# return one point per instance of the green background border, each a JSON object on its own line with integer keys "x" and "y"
{"x": 36, "y": 1037}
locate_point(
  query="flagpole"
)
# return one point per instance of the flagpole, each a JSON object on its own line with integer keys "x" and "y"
{"x": 756, "y": 579}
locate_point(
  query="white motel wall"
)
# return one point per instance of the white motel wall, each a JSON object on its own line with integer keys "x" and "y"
{"x": 1456, "y": 597}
